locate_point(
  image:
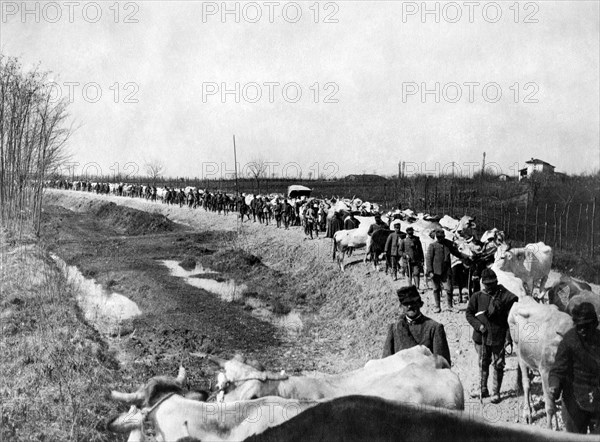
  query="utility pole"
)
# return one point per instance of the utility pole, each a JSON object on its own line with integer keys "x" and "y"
{"x": 237, "y": 190}
{"x": 483, "y": 166}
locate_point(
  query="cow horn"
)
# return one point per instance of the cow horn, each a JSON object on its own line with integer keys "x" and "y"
{"x": 126, "y": 422}
{"x": 270, "y": 376}
{"x": 181, "y": 376}
{"x": 129, "y": 398}
{"x": 278, "y": 376}
{"x": 217, "y": 360}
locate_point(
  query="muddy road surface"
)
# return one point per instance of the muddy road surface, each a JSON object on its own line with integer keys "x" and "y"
{"x": 207, "y": 283}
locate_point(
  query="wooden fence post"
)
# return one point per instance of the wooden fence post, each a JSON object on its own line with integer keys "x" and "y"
{"x": 560, "y": 229}
{"x": 525, "y": 223}
{"x": 554, "y": 236}
{"x": 577, "y": 230}
{"x": 545, "y": 222}
{"x": 537, "y": 212}
{"x": 587, "y": 223}
{"x": 481, "y": 209}
{"x": 567, "y": 225}
{"x": 592, "y": 245}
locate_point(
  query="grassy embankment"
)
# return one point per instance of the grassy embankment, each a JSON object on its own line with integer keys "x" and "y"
{"x": 55, "y": 367}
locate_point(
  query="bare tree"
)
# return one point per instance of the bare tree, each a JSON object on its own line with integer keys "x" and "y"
{"x": 536, "y": 182}
{"x": 32, "y": 142}
{"x": 154, "y": 170}
{"x": 257, "y": 169}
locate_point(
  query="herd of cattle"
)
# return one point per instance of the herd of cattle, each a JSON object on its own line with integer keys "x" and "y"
{"x": 265, "y": 208}
{"x": 250, "y": 401}
{"x": 409, "y": 396}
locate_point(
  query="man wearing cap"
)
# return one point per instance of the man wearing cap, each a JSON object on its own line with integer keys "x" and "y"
{"x": 337, "y": 224}
{"x": 439, "y": 267}
{"x": 351, "y": 222}
{"x": 414, "y": 328}
{"x": 392, "y": 249}
{"x": 379, "y": 224}
{"x": 487, "y": 312}
{"x": 576, "y": 372}
{"x": 412, "y": 250}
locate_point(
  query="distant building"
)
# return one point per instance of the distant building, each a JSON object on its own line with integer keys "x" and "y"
{"x": 503, "y": 177}
{"x": 536, "y": 166}
{"x": 365, "y": 177}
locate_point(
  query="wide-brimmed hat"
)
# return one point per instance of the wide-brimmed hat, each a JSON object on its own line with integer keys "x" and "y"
{"x": 584, "y": 313}
{"x": 488, "y": 276}
{"x": 408, "y": 294}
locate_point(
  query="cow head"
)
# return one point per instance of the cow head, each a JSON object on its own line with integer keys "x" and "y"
{"x": 503, "y": 253}
{"x": 146, "y": 400}
{"x": 130, "y": 422}
{"x": 494, "y": 235}
{"x": 242, "y": 375}
{"x": 153, "y": 391}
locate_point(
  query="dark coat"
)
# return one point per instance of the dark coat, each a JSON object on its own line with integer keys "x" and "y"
{"x": 392, "y": 244}
{"x": 350, "y": 224}
{"x": 337, "y": 224}
{"x": 576, "y": 370}
{"x": 423, "y": 331}
{"x": 287, "y": 209}
{"x": 438, "y": 257}
{"x": 413, "y": 249}
{"x": 495, "y": 319}
{"x": 376, "y": 226}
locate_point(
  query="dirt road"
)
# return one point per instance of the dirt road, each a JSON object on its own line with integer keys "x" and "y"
{"x": 340, "y": 319}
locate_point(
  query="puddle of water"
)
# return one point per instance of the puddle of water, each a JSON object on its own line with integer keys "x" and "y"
{"x": 99, "y": 306}
{"x": 229, "y": 291}
{"x": 291, "y": 322}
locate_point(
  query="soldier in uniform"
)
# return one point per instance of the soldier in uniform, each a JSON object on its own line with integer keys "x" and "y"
{"x": 392, "y": 249}
{"x": 487, "y": 312}
{"x": 412, "y": 250}
{"x": 439, "y": 268}
{"x": 576, "y": 372}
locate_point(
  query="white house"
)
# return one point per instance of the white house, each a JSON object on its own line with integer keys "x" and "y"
{"x": 536, "y": 165}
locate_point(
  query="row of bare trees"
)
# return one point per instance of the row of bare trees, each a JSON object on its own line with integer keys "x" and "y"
{"x": 33, "y": 133}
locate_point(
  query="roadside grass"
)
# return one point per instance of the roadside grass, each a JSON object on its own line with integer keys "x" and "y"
{"x": 55, "y": 368}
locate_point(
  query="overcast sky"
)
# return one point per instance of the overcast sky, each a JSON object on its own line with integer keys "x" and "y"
{"x": 365, "y": 64}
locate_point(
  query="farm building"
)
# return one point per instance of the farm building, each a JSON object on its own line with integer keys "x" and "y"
{"x": 365, "y": 177}
{"x": 536, "y": 166}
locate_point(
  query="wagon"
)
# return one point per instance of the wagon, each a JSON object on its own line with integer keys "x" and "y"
{"x": 297, "y": 191}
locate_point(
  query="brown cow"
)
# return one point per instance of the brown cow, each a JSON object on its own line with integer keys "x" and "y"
{"x": 368, "y": 418}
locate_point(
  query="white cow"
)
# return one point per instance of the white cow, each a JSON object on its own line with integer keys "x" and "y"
{"x": 412, "y": 375}
{"x": 344, "y": 240}
{"x": 537, "y": 329}
{"x": 530, "y": 263}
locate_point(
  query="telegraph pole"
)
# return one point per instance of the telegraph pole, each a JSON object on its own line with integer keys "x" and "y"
{"x": 237, "y": 191}
{"x": 483, "y": 166}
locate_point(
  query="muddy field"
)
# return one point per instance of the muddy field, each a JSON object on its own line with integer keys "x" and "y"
{"x": 265, "y": 292}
